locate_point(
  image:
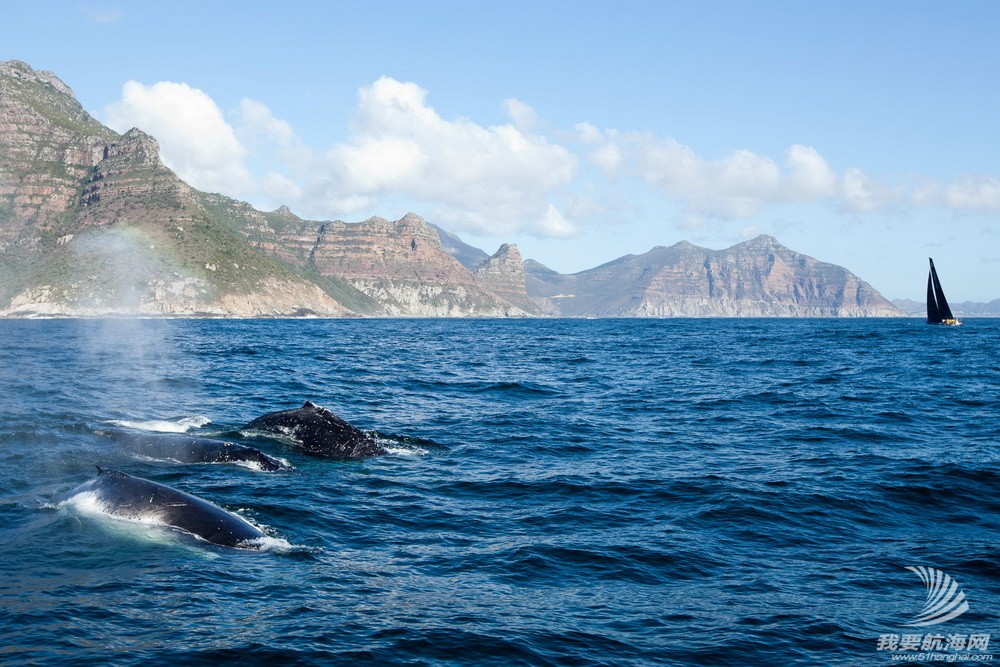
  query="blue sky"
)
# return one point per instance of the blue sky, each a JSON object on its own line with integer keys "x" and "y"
{"x": 860, "y": 133}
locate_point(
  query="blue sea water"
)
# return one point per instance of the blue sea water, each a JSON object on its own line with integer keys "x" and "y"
{"x": 558, "y": 492}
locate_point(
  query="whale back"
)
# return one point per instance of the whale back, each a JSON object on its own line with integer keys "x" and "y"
{"x": 188, "y": 449}
{"x": 139, "y": 499}
{"x": 318, "y": 431}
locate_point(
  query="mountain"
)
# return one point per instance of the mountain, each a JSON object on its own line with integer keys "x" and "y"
{"x": 757, "y": 278}
{"x": 400, "y": 267}
{"x": 911, "y": 307}
{"x": 503, "y": 274}
{"x": 962, "y": 309}
{"x": 93, "y": 223}
{"x": 468, "y": 256}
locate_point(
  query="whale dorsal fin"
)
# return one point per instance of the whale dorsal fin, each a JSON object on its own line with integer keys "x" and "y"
{"x": 309, "y": 405}
{"x": 101, "y": 470}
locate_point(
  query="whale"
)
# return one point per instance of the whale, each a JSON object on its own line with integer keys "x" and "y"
{"x": 138, "y": 499}
{"x": 318, "y": 432}
{"x": 187, "y": 449}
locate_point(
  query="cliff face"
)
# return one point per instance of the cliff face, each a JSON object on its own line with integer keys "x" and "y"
{"x": 400, "y": 266}
{"x": 48, "y": 144}
{"x": 92, "y": 223}
{"x": 758, "y": 278}
{"x": 503, "y": 274}
{"x": 503, "y": 271}
{"x": 407, "y": 249}
{"x": 130, "y": 183}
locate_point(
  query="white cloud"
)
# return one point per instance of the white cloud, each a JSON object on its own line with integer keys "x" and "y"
{"x": 258, "y": 123}
{"x": 975, "y": 193}
{"x": 523, "y": 115}
{"x": 736, "y": 186}
{"x": 281, "y": 188}
{"x": 809, "y": 176}
{"x": 588, "y": 134}
{"x": 555, "y": 224}
{"x": 195, "y": 139}
{"x": 491, "y": 180}
{"x": 861, "y": 193}
{"x": 608, "y": 156}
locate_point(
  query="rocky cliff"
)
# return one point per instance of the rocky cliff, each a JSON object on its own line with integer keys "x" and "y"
{"x": 758, "y": 278}
{"x": 48, "y": 144}
{"x": 93, "y": 223}
{"x": 503, "y": 274}
{"x": 400, "y": 267}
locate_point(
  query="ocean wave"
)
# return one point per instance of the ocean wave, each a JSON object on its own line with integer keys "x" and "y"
{"x": 176, "y": 425}
{"x": 278, "y": 545}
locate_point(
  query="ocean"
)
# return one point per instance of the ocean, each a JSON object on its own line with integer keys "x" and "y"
{"x": 557, "y": 492}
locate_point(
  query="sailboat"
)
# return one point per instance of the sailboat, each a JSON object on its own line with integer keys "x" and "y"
{"x": 938, "y": 311}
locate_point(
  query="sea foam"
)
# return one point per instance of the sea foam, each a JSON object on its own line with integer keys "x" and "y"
{"x": 179, "y": 425}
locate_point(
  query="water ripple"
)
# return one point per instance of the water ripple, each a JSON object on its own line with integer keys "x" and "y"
{"x": 726, "y": 492}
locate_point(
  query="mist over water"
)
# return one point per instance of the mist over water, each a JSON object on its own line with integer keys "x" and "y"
{"x": 724, "y": 492}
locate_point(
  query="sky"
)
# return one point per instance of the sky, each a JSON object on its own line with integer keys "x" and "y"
{"x": 865, "y": 134}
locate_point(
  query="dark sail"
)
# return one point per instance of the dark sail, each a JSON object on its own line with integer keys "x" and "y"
{"x": 933, "y": 314}
{"x": 935, "y": 296}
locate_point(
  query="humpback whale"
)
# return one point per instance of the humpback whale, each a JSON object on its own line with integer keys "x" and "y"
{"x": 317, "y": 431}
{"x": 187, "y": 449}
{"x": 138, "y": 499}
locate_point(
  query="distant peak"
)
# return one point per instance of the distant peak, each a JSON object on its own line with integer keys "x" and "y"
{"x": 137, "y": 143}
{"x": 679, "y": 246}
{"x": 535, "y": 264}
{"x": 285, "y": 211}
{"x": 412, "y": 219}
{"x": 137, "y": 135}
{"x": 508, "y": 251}
{"x": 19, "y": 69}
{"x": 135, "y": 146}
{"x": 763, "y": 240}
{"x": 18, "y": 65}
